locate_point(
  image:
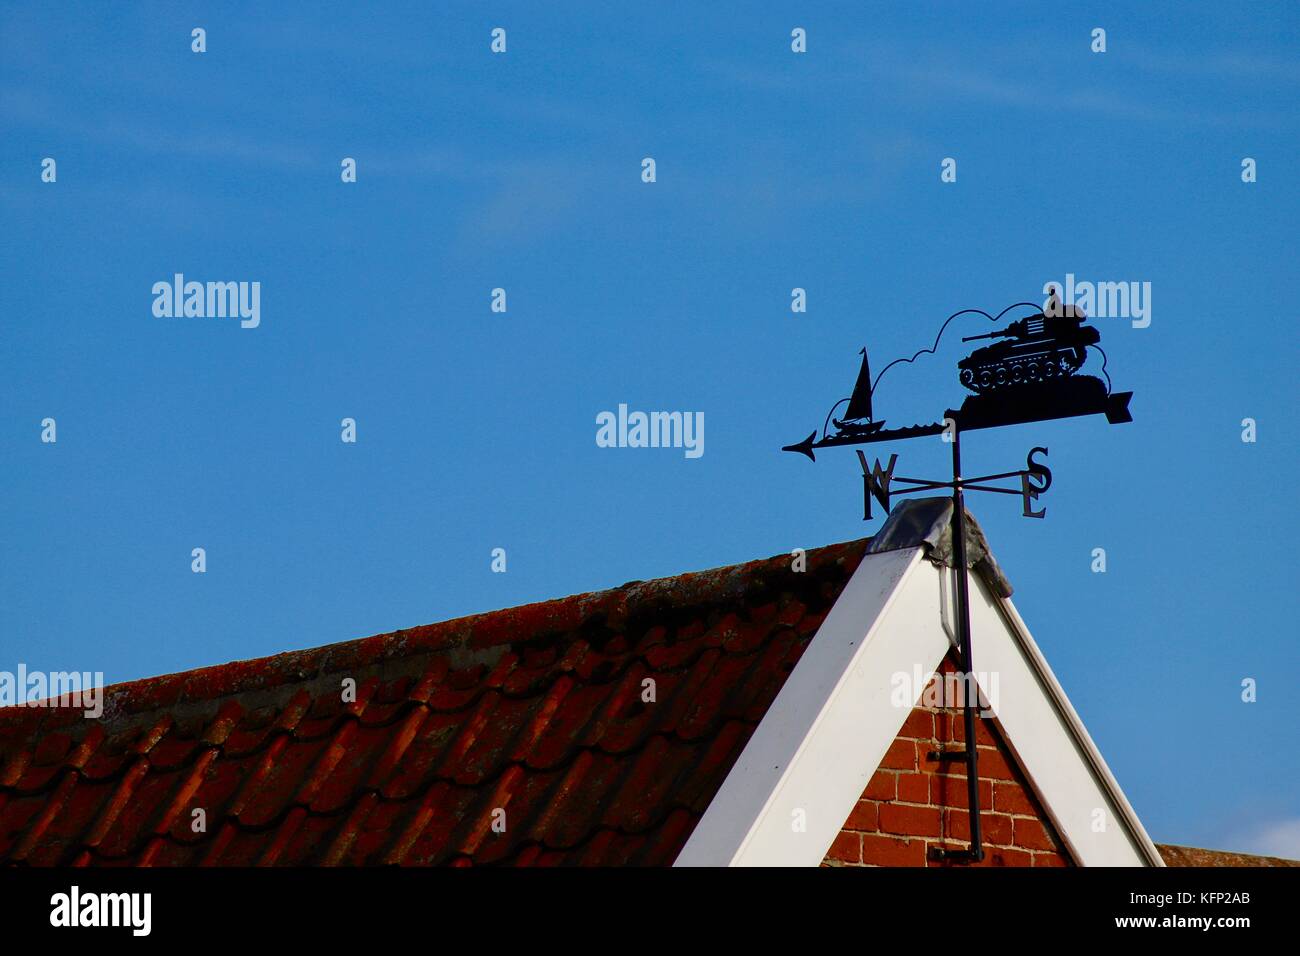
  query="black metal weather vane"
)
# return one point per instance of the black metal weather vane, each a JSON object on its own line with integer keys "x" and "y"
{"x": 1032, "y": 376}
{"x": 1028, "y": 379}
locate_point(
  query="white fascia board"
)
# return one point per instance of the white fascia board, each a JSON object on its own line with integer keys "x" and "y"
{"x": 1049, "y": 741}
{"x": 817, "y": 747}
{"x": 828, "y": 729}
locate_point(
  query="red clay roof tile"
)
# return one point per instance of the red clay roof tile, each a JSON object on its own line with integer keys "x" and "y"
{"x": 1194, "y": 856}
{"x": 543, "y": 713}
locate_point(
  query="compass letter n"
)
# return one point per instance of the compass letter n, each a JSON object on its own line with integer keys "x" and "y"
{"x": 875, "y": 483}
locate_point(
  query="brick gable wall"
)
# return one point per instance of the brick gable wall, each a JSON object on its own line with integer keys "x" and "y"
{"x": 914, "y": 803}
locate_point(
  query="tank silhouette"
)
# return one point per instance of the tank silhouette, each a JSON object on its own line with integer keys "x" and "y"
{"x": 1043, "y": 348}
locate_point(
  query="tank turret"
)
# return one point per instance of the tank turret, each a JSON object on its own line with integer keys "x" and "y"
{"x": 1042, "y": 348}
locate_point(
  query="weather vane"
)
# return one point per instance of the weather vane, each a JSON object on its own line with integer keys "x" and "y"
{"x": 1030, "y": 377}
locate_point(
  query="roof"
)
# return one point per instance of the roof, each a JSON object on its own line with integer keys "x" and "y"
{"x": 605, "y": 728}
{"x": 535, "y": 710}
{"x": 1192, "y": 856}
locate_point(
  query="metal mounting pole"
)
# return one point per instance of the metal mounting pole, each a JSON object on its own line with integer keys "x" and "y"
{"x": 963, "y": 635}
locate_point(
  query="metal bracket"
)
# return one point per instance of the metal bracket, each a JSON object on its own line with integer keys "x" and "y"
{"x": 944, "y": 756}
{"x": 956, "y": 856}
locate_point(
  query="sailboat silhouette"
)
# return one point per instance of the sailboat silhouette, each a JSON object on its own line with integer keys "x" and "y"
{"x": 857, "y": 419}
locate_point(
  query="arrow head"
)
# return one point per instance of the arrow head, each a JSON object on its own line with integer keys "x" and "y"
{"x": 804, "y": 447}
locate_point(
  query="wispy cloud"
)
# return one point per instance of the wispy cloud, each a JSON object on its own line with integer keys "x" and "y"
{"x": 1058, "y": 95}
{"x": 1274, "y": 838}
{"x": 529, "y": 200}
{"x": 27, "y": 107}
{"x": 1243, "y": 65}
{"x": 1020, "y": 78}
{"x": 1281, "y": 838}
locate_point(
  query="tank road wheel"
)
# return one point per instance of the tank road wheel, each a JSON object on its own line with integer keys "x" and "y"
{"x": 1001, "y": 375}
{"x": 1017, "y": 373}
{"x": 1035, "y": 373}
{"x": 1049, "y": 370}
{"x": 967, "y": 378}
{"x": 986, "y": 378}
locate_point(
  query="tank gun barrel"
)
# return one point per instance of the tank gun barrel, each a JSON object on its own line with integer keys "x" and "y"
{"x": 1015, "y": 328}
{"x": 987, "y": 335}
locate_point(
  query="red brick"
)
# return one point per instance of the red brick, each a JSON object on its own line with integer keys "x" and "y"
{"x": 1032, "y": 834}
{"x": 888, "y": 851}
{"x": 1005, "y": 856}
{"x": 911, "y": 821}
{"x": 919, "y": 724}
{"x": 995, "y": 828}
{"x": 983, "y": 735}
{"x": 994, "y": 765}
{"x": 847, "y": 848}
{"x": 1012, "y": 798}
{"x": 943, "y": 725}
{"x": 901, "y": 755}
{"x": 881, "y": 786}
{"x": 863, "y": 817}
{"x": 1049, "y": 859}
{"x": 914, "y": 787}
{"x": 950, "y": 791}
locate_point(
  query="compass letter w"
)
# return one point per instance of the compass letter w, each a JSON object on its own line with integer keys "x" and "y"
{"x": 875, "y": 483}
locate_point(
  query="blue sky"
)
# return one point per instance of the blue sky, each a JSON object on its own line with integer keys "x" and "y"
{"x": 476, "y": 430}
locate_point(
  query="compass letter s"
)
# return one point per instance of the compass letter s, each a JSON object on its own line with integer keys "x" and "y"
{"x": 1034, "y": 480}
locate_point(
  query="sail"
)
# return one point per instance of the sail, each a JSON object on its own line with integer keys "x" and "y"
{"x": 860, "y": 403}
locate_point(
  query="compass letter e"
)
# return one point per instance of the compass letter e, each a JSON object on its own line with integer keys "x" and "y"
{"x": 875, "y": 482}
